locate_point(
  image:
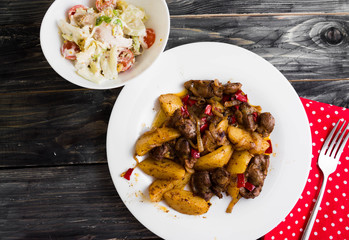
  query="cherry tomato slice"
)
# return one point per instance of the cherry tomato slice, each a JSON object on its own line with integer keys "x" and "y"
{"x": 72, "y": 11}
{"x": 126, "y": 59}
{"x": 149, "y": 39}
{"x": 69, "y": 50}
{"x": 103, "y": 4}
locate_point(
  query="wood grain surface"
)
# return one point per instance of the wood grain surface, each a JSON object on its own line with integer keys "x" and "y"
{"x": 77, "y": 202}
{"x": 54, "y": 180}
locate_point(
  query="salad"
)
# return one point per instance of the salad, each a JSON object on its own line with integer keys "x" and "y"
{"x": 104, "y": 42}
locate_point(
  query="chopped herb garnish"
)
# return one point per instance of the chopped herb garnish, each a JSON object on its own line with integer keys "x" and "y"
{"x": 118, "y": 22}
{"x": 101, "y": 19}
{"x": 117, "y": 12}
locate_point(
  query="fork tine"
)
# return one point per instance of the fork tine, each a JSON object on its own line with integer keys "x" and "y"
{"x": 328, "y": 139}
{"x": 335, "y": 141}
{"x": 339, "y": 153}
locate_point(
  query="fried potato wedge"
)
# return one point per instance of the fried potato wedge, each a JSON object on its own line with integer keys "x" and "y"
{"x": 155, "y": 138}
{"x": 260, "y": 144}
{"x": 215, "y": 159}
{"x": 185, "y": 202}
{"x": 160, "y": 186}
{"x": 170, "y": 103}
{"x": 162, "y": 169}
{"x": 241, "y": 138}
{"x": 238, "y": 162}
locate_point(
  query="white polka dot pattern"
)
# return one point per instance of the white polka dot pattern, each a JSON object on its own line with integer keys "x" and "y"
{"x": 332, "y": 221}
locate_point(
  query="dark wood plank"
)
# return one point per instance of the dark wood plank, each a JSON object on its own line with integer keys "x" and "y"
{"x": 294, "y": 44}
{"x": 27, "y": 12}
{"x": 76, "y": 202}
{"x": 69, "y": 127}
{"x": 54, "y": 128}
{"x": 331, "y": 92}
{"x": 180, "y": 7}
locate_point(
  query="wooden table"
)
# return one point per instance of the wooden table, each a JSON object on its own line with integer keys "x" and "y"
{"x": 54, "y": 178}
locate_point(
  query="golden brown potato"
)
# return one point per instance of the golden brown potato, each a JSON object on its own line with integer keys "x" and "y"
{"x": 162, "y": 169}
{"x": 170, "y": 103}
{"x": 185, "y": 202}
{"x": 155, "y": 138}
{"x": 180, "y": 184}
{"x": 238, "y": 162}
{"x": 217, "y": 158}
{"x": 223, "y": 125}
{"x": 160, "y": 186}
{"x": 241, "y": 138}
{"x": 261, "y": 145}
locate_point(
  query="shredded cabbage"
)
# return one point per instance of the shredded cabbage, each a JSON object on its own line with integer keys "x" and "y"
{"x": 102, "y": 36}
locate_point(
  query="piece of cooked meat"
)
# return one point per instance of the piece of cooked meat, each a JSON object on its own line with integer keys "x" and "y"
{"x": 231, "y": 88}
{"x": 266, "y": 124}
{"x": 249, "y": 122}
{"x": 255, "y": 174}
{"x": 182, "y": 148}
{"x": 220, "y": 179}
{"x": 200, "y": 184}
{"x": 186, "y": 127}
{"x": 204, "y": 88}
{"x": 161, "y": 152}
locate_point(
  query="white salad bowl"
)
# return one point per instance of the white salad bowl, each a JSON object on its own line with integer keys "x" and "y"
{"x": 51, "y": 41}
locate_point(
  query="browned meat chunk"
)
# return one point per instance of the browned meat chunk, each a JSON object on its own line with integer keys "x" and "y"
{"x": 161, "y": 152}
{"x": 183, "y": 148}
{"x": 217, "y": 88}
{"x": 220, "y": 179}
{"x": 255, "y": 174}
{"x": 249, "y": 116}
{"x": 204, "y": 88}
{"x": 266, "y": 124}
{"x": 187, "y": 128}
{"x": 200, "y": 183}
{"x": 184, "y": 125}
{"x": 231, "y": 88}
{"x": 250, "y": 123}
{"x": 239, "y": 116}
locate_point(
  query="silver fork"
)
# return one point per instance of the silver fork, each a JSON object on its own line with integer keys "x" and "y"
{"x": 328, "y": 159}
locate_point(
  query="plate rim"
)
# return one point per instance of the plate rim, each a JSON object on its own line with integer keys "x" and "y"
{"x": 89, "y": 84}
{"x": 122, "y": 97}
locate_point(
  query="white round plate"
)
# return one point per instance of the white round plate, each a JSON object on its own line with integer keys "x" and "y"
{"x": 265, "y": 86}
{"x": 51, "y": 41}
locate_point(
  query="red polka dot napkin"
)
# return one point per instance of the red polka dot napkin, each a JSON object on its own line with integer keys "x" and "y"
{"x": 332, "y": 221}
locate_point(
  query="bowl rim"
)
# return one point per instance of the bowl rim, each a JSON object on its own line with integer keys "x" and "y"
{"x": 90, "y": 84}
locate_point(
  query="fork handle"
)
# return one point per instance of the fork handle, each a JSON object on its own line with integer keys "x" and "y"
{"x": 311, "y": 221}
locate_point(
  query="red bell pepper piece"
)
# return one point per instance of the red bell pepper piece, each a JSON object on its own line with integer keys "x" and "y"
{"x": 232, "y": 119}
{"x": 195, "y": 153}
{"x": 208, "y": 110}
{"x": 241, "y": 97}
{"x": 128, "y": 173}
{"x": 237, "y": 107}
{"x": 184, "y": 111}
{"x": 204, "y": 125}
{"x": 185, "y": 99}
{"x": 241, "y": 180}
{"x": 270, "y": 148}
{"x": 249, "y": 186}
{"x": 191, "y": 102}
